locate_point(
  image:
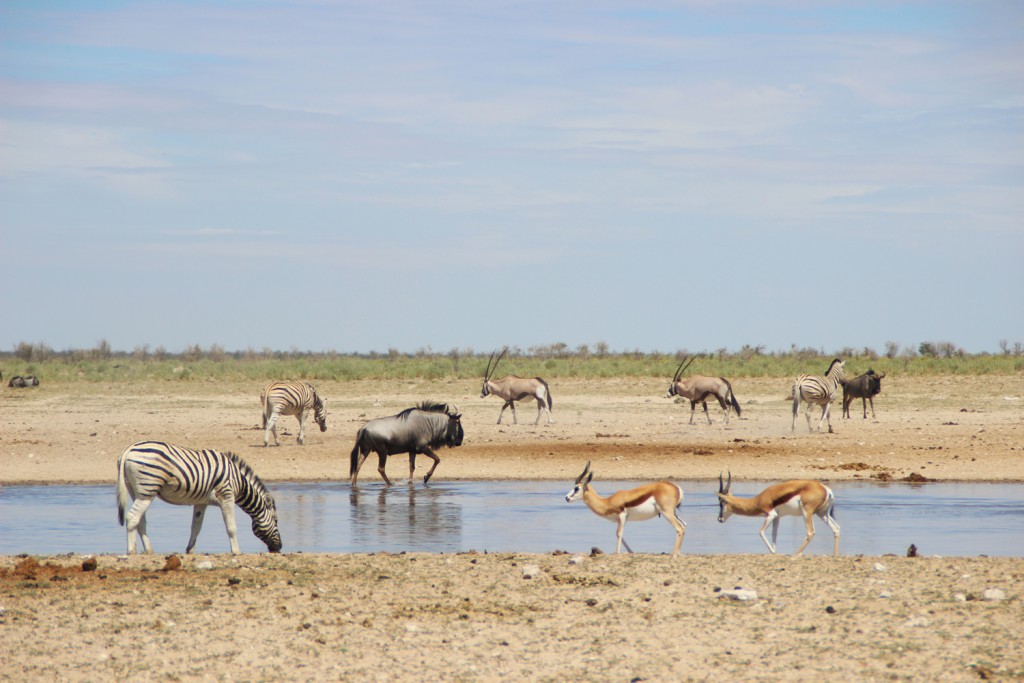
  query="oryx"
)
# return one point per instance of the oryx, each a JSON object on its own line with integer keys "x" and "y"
{"x": 697, "y": 388}
{"x": 512, "y": 389}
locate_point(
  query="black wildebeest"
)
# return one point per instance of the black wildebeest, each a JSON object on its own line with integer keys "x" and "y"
{"x": 414, "y": 430}
{"x": 697, "y": 388}
{"x": 865, "y": 387}
{"x": 511, "y": 389}
{"x": 20, "y": 382}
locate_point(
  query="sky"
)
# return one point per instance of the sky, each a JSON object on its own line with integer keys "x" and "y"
{"x": 657, "y": 176}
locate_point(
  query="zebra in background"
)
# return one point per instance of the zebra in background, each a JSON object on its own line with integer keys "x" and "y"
{"x": 183, "y": 476}
{"x": 290, "y": 398}
{"x": 818, "y": 390}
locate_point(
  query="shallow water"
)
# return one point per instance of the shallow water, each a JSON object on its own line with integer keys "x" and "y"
{"x": 963, "y": 519}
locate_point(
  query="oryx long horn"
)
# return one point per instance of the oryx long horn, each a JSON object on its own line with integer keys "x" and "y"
{"x": 487, "y": 372}
{"x": 584, "y": 473}
{"x": 679, "y": 370}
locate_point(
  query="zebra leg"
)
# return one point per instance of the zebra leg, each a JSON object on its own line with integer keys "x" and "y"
{"x": 198, "y": 512}
{"x": 301, "y": 417}
{"x": 226, "y": 500}
{"x": 271, "y": 428}
{"x": 135, "y": 520}
{"x": 827, "y": 413}
{"x": 796, "y": 408}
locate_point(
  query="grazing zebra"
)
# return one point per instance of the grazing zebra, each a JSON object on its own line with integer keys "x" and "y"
{"x": 290, "y": 398}
{"x": 182, "y": 476}
{"x": 819, "y": 390}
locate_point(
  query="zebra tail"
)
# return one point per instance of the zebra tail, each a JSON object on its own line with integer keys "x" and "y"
{"x": 354, "y": 456}
{"x": 122, "y": 488}
{"x": 547, "y": 392}
{"x": 732, "y": 398}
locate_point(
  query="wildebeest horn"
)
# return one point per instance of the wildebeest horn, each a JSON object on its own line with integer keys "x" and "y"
{"x": 584, "y": 473}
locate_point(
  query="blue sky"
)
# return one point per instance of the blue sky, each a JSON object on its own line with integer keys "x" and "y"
{"x": 358, "y": 176}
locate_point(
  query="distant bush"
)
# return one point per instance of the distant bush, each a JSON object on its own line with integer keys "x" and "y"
{"x": 550, "y": 361}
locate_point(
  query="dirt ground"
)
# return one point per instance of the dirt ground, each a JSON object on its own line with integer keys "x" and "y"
{"x": 468, "y": 617}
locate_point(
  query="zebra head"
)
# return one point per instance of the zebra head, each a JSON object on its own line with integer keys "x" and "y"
{"x": 264, "y": 525}
{"x": 319, "y": 413}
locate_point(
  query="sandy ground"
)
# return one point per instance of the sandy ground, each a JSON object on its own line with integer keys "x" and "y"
{"x": 519, "y": 616}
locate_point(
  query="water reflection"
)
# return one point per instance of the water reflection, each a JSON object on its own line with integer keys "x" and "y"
{"x": 531, "y": 516}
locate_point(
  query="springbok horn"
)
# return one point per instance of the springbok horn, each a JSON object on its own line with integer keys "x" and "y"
{"x": 584, "y": 473}
{"x": 720, "y": 488}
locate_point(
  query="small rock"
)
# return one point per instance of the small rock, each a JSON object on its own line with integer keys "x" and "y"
{"x": 830, "y": 609}
{"x": 173, "y": 562}
{"x": 530, "y": 571}
{"x": 234, "y": 581}
{"x": 595, "y": 551}
{"x": 412, "y": 628}
{"x": 205, "y": 564}
{"x": 993, "y": 594}
{"x": 960, "y": 597}
{"x": 885, "y": 595}
{"x": 576, "y": 559}
{"x": 89, "y": 564}
{"x": 879, "y": 567}
{"x": 919, "y": 621}
{"x": 741, "y": 594}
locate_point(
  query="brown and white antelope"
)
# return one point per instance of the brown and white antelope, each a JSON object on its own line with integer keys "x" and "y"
{"x": 797, "y": 497}
{"x": 697, "y": 388}
{"x": 511, "y": 389}
{"x": 661, "y": 498}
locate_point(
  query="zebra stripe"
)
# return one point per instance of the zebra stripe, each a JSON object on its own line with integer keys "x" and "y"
{"x": 290, "y": 398}
{"x": 183, "y": 476}
{"x": 818, "y": 390}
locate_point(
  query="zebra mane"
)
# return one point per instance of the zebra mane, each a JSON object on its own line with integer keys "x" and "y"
{"x": 248, "y": 474}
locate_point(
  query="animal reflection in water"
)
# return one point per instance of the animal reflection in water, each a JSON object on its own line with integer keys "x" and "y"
{"x": 416, "y": 430}
{"x": 406, "y": 517}
{"x": 661, "y": 498}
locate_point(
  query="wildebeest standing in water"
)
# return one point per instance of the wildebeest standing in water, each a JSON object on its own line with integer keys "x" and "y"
{"x": 414, "y": 430}
{"x": 865, "y": 387}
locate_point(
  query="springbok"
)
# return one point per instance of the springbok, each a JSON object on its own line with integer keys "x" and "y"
{"x": 661, "y": 498}
{"x": 697, "y": 388}
{"x": 512, "y": 389}
{"x": 797, "y": 497}
{"x": 819, "y": 390}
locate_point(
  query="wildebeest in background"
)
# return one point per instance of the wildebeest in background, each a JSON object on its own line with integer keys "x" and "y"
{"x": 697, "y": 388}
{"x": 21, "y": 382}
{"x": 512, "y": 389}
{"x": 865, "y": 387}
{"x": 416, "y": 430}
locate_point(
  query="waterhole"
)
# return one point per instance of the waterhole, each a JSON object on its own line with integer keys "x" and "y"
{"x": 952, "y": 519}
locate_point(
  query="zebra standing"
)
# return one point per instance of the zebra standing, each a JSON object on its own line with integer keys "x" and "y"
{"x": 290, "y": 398}
{"x": 182, "y": 476}
{"x": 819, "y": 390}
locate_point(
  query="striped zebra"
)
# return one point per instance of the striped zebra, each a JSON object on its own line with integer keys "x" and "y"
{"x": 290, "y": 398}
{"x": 818, "y": 390}
{"x": 183, "y": 476}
